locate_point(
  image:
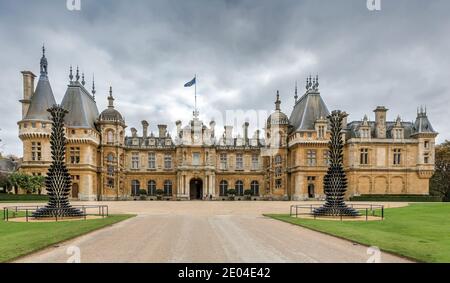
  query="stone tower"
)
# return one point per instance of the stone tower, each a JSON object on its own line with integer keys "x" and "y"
{"x": 112, "y": 158}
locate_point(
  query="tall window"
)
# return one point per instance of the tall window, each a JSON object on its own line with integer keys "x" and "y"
{"x": 278, "y": 160}
{"x": 36, "y": 151}
{"x": 255, "y": 162}
{"x": 135, "y": 187}
{"x": 278, "y": 183}
{"x": 426, "y": 158}
{"x": 151, "y": 187}
{"x": 110, "y": 170}
{"x": 239, "y": 161}
{"x": 135, "y": 160}
{"x": 278, "y": 171}
{"x": 168, "y": 188}
{"x": 168, "y": 161}
{"x": 196, "y": 159}
{"x": 311, "y": 157}
{"x": 110, "y": 137}
{"x": 239, "y": 187}
{"x": 397, "y": 156}
{"x": 326, "y": 157}
{"x": 223, "y": 161}
{"x": 254, "y": 186}
{"x": 74, "y": 154}
{"x": 151, "y": 160}
{"x": 426, "y": 144}
{"x": 364, "y": 156}
{"x": 223, "y": 186}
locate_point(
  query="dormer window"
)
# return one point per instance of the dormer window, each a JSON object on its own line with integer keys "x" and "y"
{"x": 365, "y": 133}
{"x": 321, "y": 132}
{"x": 398, "y": 134}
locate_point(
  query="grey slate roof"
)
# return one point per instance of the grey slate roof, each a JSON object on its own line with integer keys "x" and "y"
{"x": 81, "y": 105}
{"x": 422, "y": 124}
{"x": 41, "y": 100}
{"x": 307, "y": 110}
{"x": 353, "y": 129}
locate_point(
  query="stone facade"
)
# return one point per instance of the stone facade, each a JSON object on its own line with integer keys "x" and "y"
{"x": 288, "y": 162}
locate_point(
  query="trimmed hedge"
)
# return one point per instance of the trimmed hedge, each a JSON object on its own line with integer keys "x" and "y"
{"x": 408, "y": 198}
{"x": 20, "y": 198}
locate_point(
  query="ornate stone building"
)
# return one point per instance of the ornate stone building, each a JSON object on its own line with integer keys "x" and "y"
{"x": 288, "y": 162}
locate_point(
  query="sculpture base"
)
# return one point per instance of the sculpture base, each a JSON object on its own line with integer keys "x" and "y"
{"x": 335, "y": 210}
{"x": 57, "y": 212}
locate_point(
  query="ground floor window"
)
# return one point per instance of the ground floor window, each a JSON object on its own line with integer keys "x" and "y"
{"x": 223, "y": 186}
{"x": 168, "y": 188}
{"x": 239, "y": 187}
{"x": 254, "y": 186}
{"x": 135, "y": 187}
{"x": 151, "y": 187}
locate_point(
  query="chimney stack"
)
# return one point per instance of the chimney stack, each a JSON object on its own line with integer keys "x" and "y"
{"x": 133, "y": 132}
{"x": 178, "y": 124}
{"x": 228, "y": 135}
{"x": 162, "y": 131}
{"x": 28, "y": 90}
{"x": 344, "y": 120}
{"x": 144, "y": 129}
{"x": 212, "y": 125}
{"x": 245, "y": 126}
{"x": 380, "y": 122}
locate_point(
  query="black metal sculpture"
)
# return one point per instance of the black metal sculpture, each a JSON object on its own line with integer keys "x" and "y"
{"x": 58, "y": 181}
{"x": 335, "y": 181}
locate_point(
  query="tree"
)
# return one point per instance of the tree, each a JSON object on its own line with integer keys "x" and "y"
{"x": 35, "y": 184}
{"x": 440, "y": 182}
{"x": 19, "y": 180}
{"x": 5, "y": 182}
{"x": 31, "y": 184}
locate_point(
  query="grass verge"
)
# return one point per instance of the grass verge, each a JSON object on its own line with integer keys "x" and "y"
{"x": 19, "y": 239}
{"x": 418, "y": 231}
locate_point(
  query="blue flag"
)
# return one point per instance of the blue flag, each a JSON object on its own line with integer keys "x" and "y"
{"x": 191, "y": 83}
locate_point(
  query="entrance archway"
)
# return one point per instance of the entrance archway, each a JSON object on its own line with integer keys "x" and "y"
{"x": 311, "y": 193}
{"x": 196, "y": 189}
{"x": 75, "y": 190}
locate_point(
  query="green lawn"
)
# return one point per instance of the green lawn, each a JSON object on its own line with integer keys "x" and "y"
{"x": 418, "y": 231}
{"x": 18, "y": 239}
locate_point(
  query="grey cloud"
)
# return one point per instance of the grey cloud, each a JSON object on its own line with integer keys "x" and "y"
{"x": 243, "y": 51}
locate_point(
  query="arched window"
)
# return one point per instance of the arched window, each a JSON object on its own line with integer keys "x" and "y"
{"x": 278, "y": 160}
{"x": 168, "y": 188}
{"x": 223, "y": 188}
{"x": 254, "y": 186}
{"x": 135, "y": 187}
{"x": 239, "y": 187}
{"x": 110, "y": 137}
{"x": 151, "y": 187}
{"x": 110, "y": 157}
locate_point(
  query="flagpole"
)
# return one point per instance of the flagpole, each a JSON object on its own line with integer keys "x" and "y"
{"x": 196, "y": 113}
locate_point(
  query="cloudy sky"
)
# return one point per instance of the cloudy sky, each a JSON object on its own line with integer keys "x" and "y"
{"x": 243, "y": 51}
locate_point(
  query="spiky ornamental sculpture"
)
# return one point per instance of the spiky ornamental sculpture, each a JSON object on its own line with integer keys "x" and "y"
{"x": 58, "y": 181}
{"x": 335, "y": 181}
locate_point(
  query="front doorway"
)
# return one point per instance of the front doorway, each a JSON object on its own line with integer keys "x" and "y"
{"x": 75, "y": 191}
{"x": 196, "y": 189}
{"x": 311, "y": 193}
